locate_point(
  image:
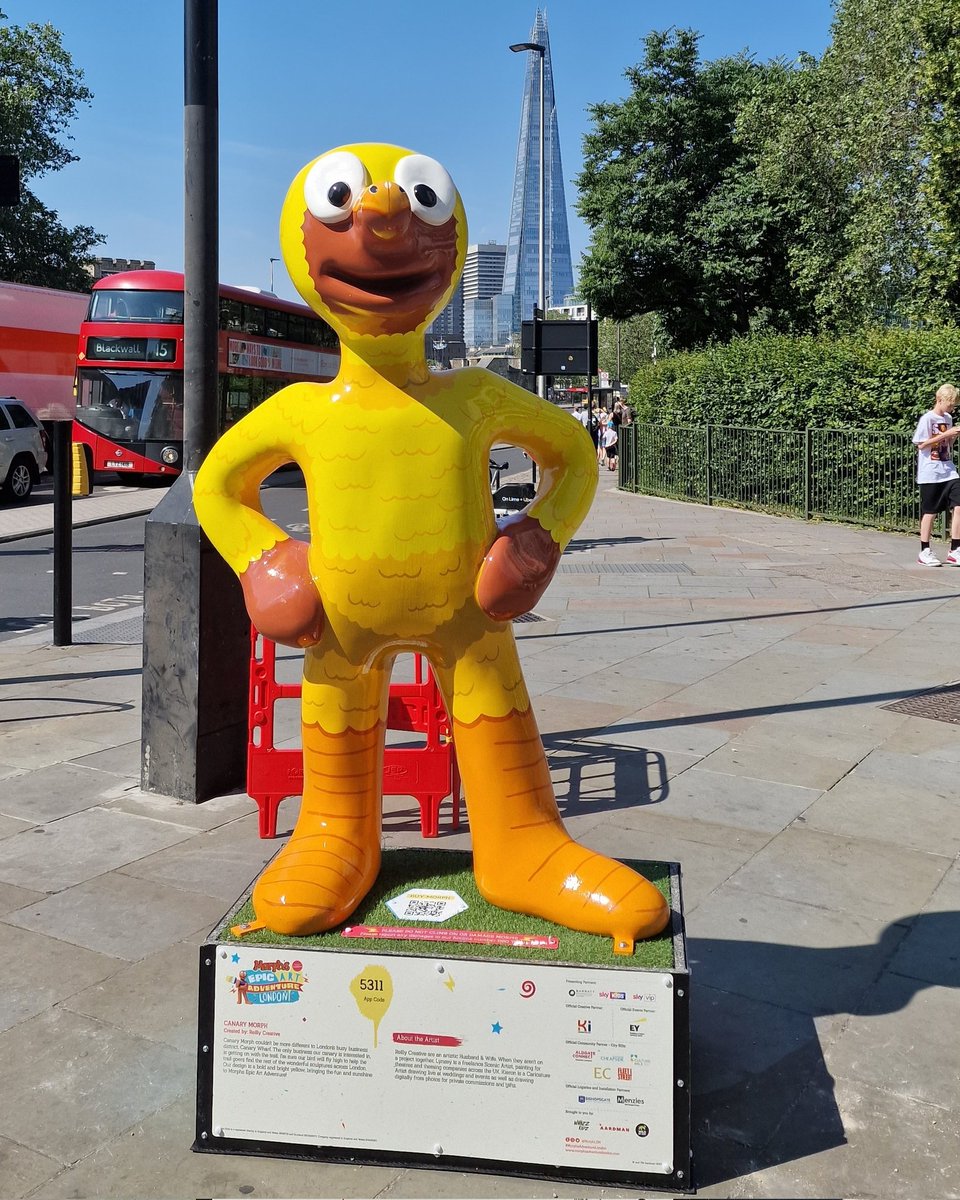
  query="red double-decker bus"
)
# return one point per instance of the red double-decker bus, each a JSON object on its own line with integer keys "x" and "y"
{"x": 129, "y": 386}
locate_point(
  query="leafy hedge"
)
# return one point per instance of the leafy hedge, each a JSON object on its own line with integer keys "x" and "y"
{"x": 875, "y": 379}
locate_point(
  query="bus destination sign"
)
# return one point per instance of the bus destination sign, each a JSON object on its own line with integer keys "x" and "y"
{"x": 132, "y": 349}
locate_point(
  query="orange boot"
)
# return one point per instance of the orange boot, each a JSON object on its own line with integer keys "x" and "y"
{"x": 333, "y": 857}
{"x": 524, "y": 859}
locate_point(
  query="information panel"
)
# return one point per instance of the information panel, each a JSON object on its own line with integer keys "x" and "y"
{"x": 520, "y": 1062}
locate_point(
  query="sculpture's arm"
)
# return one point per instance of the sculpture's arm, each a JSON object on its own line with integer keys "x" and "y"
{"x": 279, "y": 591}
{"x": 521, "y": 562}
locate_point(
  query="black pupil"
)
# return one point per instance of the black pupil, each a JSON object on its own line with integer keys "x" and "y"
{"x": 425, "y": 194}
{"x": 339, "y": 194}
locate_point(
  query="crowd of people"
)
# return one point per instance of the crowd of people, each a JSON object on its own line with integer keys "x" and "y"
{"x": 604, "y": 428}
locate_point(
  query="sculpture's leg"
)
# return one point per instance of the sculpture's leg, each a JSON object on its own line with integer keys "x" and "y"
{"x": 524, "y": 859}
{"x": 333, "y": 856}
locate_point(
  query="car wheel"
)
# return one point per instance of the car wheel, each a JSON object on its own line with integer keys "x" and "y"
{"x": 19, "y": 481}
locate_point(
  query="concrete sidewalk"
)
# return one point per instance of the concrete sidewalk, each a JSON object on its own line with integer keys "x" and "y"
{"x": 712, "y": 687}
{"x": 35, "y": 516}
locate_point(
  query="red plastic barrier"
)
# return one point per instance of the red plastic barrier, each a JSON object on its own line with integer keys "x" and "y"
{"x": 429, "y": 772}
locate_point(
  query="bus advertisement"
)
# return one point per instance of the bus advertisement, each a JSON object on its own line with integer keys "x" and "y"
{"x": 38, "y": 347}
{"x": 129, "y": 366}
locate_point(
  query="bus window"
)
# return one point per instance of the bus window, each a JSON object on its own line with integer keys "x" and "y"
{"x": 297, "y": 333}
{"x": 231, "y": 314}
{"x": 166, "y": 415}
{"x": 128, "y": 405}
{"x": 252, "y": 319}
{"x": 125, "y": 304}
{"x": 277, "y": 325}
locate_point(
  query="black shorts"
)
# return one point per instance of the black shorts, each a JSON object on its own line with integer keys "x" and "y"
{"x": 611, "y": 450}
{"x": 938, "y": 497}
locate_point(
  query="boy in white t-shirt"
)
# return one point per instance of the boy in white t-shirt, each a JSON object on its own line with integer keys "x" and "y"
{"x": 937, "y": 474}
{"x": 610, "y": 445}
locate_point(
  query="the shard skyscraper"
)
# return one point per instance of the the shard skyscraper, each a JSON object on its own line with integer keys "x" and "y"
{"x": 521, "y": 273}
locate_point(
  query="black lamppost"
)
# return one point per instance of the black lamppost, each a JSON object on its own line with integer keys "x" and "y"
{"x": 541, "y": 50}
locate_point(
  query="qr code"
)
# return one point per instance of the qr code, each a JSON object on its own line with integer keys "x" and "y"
{"x": 429, "y": 910}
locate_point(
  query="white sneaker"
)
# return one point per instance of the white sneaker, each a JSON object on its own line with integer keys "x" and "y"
{"x": 953, "y": 558}
{"x": 927, "y": 558}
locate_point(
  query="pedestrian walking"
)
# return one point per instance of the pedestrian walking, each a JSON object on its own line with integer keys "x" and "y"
{"x": 610, "y": 440}
{"x": 937, "y": 474}
{"x": 603, "y": 421}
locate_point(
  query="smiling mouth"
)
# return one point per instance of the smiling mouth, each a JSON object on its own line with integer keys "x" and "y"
{"x": 389, "y": 287}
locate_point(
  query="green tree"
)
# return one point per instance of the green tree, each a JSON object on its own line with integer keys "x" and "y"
{"x": 40, "y": 90}
{"x": 860, "y": 150}
{"x": 624, "y": 347}
{"x": 678, "y": 225}
{"x": 938, "y": 263}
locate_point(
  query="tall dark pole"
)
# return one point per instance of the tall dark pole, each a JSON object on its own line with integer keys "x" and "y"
{"x": 589, "y": 375}
{"x": 196, "y": 634}
{"x": 201, "y": 253}
{"x": 62, "y": 534}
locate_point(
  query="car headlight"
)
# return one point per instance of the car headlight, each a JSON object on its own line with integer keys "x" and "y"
{"x": 169, "y": 455}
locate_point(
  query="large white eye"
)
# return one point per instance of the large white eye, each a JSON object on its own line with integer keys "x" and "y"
{"x": 429, "y": 188}
{"x": 332, "y": 186}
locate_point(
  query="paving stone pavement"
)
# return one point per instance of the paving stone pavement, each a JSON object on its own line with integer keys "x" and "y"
{"x": 725, "y": 709}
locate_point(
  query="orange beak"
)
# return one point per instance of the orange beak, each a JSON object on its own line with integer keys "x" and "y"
{"x": 384, "y": 210}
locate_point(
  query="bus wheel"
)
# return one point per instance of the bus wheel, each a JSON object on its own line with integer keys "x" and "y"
{"x": 19, "y": 482}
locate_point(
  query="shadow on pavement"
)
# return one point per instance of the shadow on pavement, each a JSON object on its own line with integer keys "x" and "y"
{"x": 762, "y": 1093}
{"x": 595, "y": 773}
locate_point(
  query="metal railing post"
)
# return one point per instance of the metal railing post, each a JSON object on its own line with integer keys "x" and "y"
{"x": 807, "y": 474}
{"x": 635, "y": 466}
{"x": 709, "y": 464}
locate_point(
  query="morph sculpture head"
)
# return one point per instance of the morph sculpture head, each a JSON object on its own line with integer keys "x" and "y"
{"x": 374, "y": 238}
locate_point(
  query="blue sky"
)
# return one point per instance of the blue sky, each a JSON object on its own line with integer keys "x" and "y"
{"x": 297, "y": 78}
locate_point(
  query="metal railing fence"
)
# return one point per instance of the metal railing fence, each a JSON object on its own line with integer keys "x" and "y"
{"x": 859, "y": 476}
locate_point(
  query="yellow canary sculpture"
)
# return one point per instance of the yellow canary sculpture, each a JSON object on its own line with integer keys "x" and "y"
{"x": 405, "y": 556}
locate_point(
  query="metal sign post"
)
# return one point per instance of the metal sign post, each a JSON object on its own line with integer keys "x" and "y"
{"x": 62, "y": 534}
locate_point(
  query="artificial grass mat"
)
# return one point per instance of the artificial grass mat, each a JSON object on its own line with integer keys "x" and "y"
{"x": 452, "y": 870}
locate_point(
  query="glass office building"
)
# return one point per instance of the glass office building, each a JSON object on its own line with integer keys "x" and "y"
{"x": 521, "y": 273}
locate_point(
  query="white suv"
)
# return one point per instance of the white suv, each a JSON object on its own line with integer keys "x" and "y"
{"x": 23, "y": 453}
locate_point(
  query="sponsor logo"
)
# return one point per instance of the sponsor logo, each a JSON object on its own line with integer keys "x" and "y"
{"x": 637, "y": 1030}
{"x": 629, "y": 1100}
{"x": 638, "y": 1061}
{"x": 582, "y": 1125}
{"x": 584, "y": 1026}
{"x": 610, "y": 1058}
{"x": 642, "y": 1130}
{"x": 586, "y": 1099}
{"x": 584, "y": 1055}
{"x": 624, "y": 1074}
{"x": 580, "y": 992}
{"x": 613, "y": 995}
{"x": 615, "y": 1128}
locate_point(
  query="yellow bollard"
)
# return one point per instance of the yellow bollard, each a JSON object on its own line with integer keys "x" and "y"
{"x": 81, "y": 476}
